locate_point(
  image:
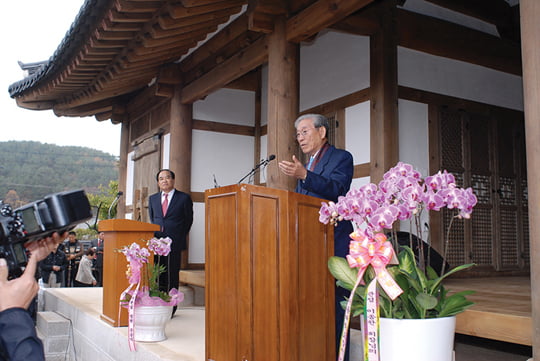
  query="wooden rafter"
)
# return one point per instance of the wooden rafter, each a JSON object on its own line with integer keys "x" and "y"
{"x": 319, "y": 16}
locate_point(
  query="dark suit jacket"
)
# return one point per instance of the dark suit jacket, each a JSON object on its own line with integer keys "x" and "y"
{"x": 331, "y": 178}
{"x": 177, "y": 223}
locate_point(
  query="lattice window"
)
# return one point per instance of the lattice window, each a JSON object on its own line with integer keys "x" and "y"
{"x": 456, "y": 239}
{"x": 526, "y": 246}
{"x": 485, "y": 151}
{"x": 482, "y": 237}
{"x": 507, "y": 191}
{"x": 451, "y": 141}
{"x": 481, "y": 186}
{"x": 509, "y": 248}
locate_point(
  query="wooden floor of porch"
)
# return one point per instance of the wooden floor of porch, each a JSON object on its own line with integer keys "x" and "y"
{"x": 502, "y": 309}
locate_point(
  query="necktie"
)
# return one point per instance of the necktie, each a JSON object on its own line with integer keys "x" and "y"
{"x": 310, "y": 163}
{"x": 165, "y": 204}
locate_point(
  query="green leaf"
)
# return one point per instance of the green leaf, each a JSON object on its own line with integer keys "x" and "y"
{"x": 455, "y": 304}
{"x": 427, "y": 302}
{"x": 452, "y": 271}
{"x": 340, "y": 269}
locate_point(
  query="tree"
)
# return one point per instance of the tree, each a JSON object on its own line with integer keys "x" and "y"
{"x": 101, "y": 202}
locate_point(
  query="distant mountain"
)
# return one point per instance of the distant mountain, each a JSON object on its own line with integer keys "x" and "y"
{"x": 30, "y": 170}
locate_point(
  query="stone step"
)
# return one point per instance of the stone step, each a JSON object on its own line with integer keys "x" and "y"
{"x": 52, "y": 324}
{"x": 54, "y": 332}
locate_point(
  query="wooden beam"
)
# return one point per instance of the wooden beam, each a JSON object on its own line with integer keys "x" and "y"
{"x": 103, "y": 116}
{"x": 442, "y": 38}
{"x": 283, "y": 93}
{"x": 249, "y": 81}
{"x": 194, "y": 3}
{"x": 361, "y": 170}
{"x": 321, "y": 15}
{"x": 223, "y": 127}
{"x": 261, "y": 14}
{"x": 180, "y": 12}
{"x": 530, "y": 28}
{"x": 384, "y": 127}
{"x": 236, "y": 66}
{"x": 85, "y": 109}
{"x": 212, "y": 46}
{"x": 360, "y": 23}
{"x": 147, "y": 100}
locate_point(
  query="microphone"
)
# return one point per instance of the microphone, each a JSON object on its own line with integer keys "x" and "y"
{"x": 216, "y": 185}
{"x": 263, "y": 162}
{"x": 118, "y": 195}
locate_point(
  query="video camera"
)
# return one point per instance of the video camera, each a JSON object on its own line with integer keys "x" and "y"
{"x": 59, "y": 212}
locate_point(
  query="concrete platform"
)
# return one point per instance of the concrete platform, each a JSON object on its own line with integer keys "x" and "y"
{"x": 92, "y": 339}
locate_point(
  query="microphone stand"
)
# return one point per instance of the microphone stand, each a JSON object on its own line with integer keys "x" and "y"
{"x": 252, "y": 172}
{"x": 118, "y": 195}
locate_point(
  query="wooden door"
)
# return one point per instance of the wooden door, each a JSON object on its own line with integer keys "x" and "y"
{"x": 486, "y": 151}
{"x": 147, "y": 158}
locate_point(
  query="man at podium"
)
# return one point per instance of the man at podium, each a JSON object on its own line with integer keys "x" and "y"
{"x": 327, "y": 175}
{"x": 172, "y": 210}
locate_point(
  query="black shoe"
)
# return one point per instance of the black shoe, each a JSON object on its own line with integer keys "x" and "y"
{"x": 173, "y": 311}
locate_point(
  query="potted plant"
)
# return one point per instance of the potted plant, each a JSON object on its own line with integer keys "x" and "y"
{"x": 149, "y": 308}
{"x": 402, "y": 288}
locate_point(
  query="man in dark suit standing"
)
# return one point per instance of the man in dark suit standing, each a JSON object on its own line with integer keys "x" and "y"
{"x": 172, "y": 210}
{"x": 327, "y": 175}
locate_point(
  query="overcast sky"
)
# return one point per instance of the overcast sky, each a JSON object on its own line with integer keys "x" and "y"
{"x": 31, "y": 31}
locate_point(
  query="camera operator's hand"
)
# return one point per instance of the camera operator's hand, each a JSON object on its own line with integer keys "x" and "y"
{"x": 43, "y": 247}
{"x": 18, "y": 292}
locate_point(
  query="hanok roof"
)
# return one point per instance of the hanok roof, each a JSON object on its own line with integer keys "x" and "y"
{"x": 117, "y": 49}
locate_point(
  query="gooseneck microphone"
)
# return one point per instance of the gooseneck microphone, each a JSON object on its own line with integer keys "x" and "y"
{"x": 262, "y": 163}
{"x": 118, "y": 195}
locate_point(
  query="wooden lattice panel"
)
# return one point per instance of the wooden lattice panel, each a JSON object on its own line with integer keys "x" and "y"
{"x": 482, "y": 237}
{"x": 509, "y": 234}
{"x": 451, "y": 141}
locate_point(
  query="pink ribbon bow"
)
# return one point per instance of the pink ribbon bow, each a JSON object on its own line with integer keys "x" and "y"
{"x": 377, "y": 252}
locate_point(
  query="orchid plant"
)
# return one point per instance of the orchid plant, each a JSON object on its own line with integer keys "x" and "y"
{"x": 373, "y": 209}
{"x": 145, "y": 276}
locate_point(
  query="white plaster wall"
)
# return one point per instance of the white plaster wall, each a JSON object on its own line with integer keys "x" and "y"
{"x": 227, "y": 157}
{"x": 197, "y": 235}
{"x": 459, "y": 79}
{"x": 427, "y": 8}
{"x": 130, "y": 178}
{"x": 166, "y": 151}
{"x": 414, "y": 144}
{"x": 333, "y": 65}
{"x": 413, "y": 135}
{"x": 357, "y": 140}
{"x": 227, "y": 106}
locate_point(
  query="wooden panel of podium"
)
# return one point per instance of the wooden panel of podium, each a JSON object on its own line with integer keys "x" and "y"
{"x": 119, "y": 233}
{"x": 269, "y": 295}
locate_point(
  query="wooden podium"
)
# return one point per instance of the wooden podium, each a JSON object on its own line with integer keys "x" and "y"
{"x": 119, "y": 233}
{"x": 269, "y": 294}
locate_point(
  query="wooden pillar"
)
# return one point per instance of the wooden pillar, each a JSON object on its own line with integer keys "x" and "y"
{"x": 384, "y": 129}
{"x": 530, "y": 33}
{"x": 122, "y": 169}
{"x": 180, "y": 150}
{"x": 181, "y": 138}
{"x": 283, "y": 80}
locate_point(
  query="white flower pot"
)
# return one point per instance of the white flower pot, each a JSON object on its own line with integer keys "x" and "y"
{"x": 150, "y": 322}
{"x": 416, "y": 340}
